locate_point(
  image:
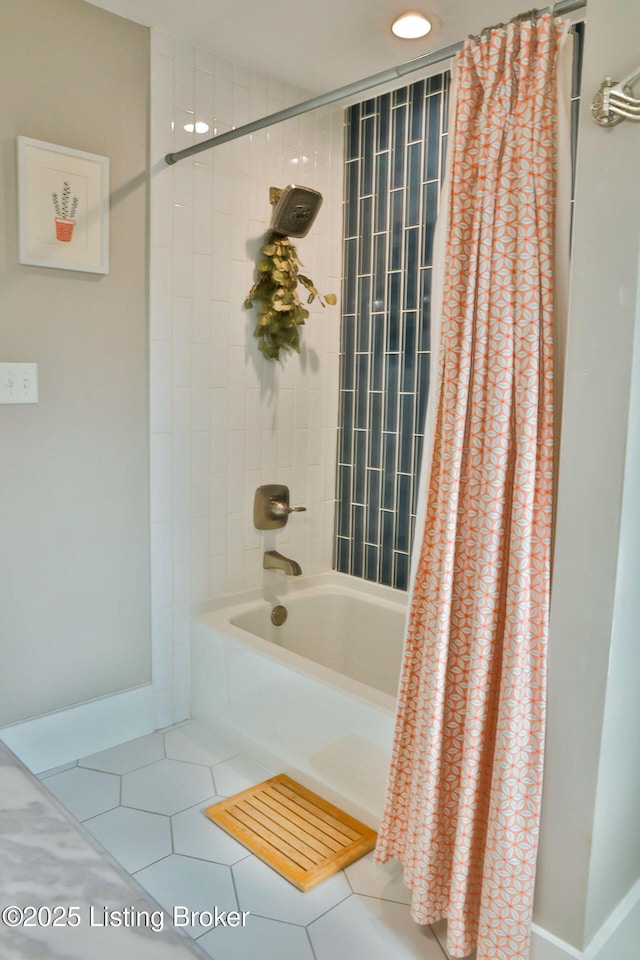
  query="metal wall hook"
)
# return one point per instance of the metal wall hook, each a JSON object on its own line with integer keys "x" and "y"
{"x": 614, "y": 102}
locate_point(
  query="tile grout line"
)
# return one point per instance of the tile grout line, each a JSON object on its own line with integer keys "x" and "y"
{"x": 146, "y": 867}
{"x": 230, "y": 867}
{"x": 329, "y": 909}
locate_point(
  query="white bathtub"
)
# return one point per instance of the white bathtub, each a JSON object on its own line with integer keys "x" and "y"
{"x": 315, "y": 697}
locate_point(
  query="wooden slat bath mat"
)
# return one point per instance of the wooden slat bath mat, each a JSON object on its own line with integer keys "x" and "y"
{"x": 303, "y": 837}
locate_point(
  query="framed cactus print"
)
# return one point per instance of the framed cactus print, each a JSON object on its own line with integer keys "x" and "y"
{"x": 63, "y": 207}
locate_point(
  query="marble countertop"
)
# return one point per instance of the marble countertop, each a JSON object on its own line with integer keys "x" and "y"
{"x": 47, "y": 860}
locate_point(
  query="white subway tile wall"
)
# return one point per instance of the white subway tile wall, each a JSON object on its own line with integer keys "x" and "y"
{"x": 223, "y": 419}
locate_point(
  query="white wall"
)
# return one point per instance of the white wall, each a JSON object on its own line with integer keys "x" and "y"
{"x": 615, "y": 855}
{"x": 223, "y": 419}
{"x": 588, "y": 850}
{"x": 74, "y": 481}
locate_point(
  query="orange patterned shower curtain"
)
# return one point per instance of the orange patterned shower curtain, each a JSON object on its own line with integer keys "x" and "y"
{"x": 463, "y": 800}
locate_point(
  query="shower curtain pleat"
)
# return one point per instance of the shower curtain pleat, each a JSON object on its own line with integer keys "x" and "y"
{"x": 463, "y": 800}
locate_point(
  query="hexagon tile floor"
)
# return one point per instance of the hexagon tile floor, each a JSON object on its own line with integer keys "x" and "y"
{"x": 144, "y": 802}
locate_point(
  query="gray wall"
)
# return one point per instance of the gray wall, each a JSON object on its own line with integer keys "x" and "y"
{"x": 615, "y": 853}
{"x": 589, "y": 849}
{"x": 74, "y": 568}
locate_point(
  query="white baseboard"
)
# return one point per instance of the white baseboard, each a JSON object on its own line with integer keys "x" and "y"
{"x": 65, "y": 735}
{"x": 617, "y": 939}
{"x": 545, "y": 946}
{"x": 619, "y": 936}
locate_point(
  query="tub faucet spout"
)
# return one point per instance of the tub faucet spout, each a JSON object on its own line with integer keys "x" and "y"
{"x": 273, "y": 560}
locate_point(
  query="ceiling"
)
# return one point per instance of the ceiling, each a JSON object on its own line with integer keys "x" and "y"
{"x": 316, "y": 45}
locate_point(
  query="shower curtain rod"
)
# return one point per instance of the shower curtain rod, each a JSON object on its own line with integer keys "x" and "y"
{"x": 359, "y": 86}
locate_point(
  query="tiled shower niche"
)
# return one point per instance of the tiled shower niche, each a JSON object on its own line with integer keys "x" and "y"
{"x": 395, "y": 150}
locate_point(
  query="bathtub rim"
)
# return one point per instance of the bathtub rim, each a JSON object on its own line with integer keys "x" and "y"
{"x": 216, "y": 614}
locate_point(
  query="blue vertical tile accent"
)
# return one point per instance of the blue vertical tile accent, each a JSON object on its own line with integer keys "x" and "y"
{"x": 414, "y": 192}
{"x": 350, "y": 261}
{"x": 344, "y": 495}
{"x": 352, "y": 195}
{"x": 424, "y": 337}
{"x": 384, "y": 122}
{"x": 408, "y": 371}
{"x": 375, "y": 430}
{"x": 377, "y": 351}
{"x": 371, "y": 563}
{"x": 343, "y": 555}
{"x": 353, "y": 132}
{"x": 348, "y": 350}
{"x": 446, "y": 88}
{"x": 362, "y": 391}
{"x": 389, "y": 444}
{"x": 360, "y": 466}
{"x": 394, "y": 311}
{"x": 443, "y": 153}
{"x": 347, "y": 373}
{"x": 401, "y": 578}
{"x": 578, "y": 46}
{"x": 386, "y": 549}
{"x": 357, "y": 547}
{"x": 407, "y": 415}
{"x": 416, "y": 110}
{"x": 423, "y": 390}
{"x": 379, "y": 271}
{"x": 403, "y": 511}
{"x": 397, "y": 225}
{"x": 389, "y": 217}
{"x": 399, "y": 146}
{"x": 373, "y": 506}
{"x": 368, "y": 131}
{"x": 415, "y": 486}
{"x": 432, "y": 137}
{"x": 381, "y": 215}
{"x": 431, "y": 192}
{"x": 364, "y": 314}
{"x": 365, "y": 238}
{"x": 391, "y": 392}
{"x": 345, "y": 447}
{"x": 411, "y": 257}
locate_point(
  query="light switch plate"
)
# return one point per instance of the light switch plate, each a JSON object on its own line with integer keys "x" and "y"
{"x": 18, "y": 382}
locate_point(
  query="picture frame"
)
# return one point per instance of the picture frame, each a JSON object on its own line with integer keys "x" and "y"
{"x": 63, "y": 207}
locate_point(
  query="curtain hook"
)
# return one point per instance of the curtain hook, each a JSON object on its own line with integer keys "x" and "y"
{"x": 531, "y": 15}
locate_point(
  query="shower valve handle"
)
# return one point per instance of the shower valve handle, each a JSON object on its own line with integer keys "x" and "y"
{"x": 277, "y": 509}
{"x": 271, "y": 507}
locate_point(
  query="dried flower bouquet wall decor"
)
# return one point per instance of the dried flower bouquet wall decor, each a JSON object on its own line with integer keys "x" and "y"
{"x": 275, "y": 292}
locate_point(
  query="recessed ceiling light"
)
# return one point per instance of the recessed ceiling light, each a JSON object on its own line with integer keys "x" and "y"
{"x": 411, "y": 26}
{"x": 199, "y": 127}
